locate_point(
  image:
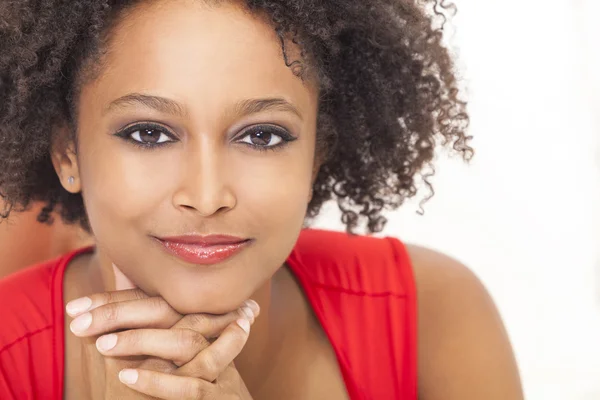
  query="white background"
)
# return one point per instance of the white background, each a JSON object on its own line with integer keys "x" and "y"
{"x": 525, "y": 214}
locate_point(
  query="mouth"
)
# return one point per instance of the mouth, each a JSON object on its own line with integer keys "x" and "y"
{"x": 203, "y": 250}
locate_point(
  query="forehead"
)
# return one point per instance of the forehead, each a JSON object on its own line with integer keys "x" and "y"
{"x": 197, "y": 52}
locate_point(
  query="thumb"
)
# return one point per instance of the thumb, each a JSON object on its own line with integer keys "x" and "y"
{"x": 122, "y": 282}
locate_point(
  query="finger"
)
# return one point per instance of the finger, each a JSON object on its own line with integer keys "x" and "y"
{"x": 167, "y": 386}
{"x": 177, "y": 345}
{"x": 213, "y": 360}
{"x": 153, "y": 312}
{"x": 122, "y": 282}
{"x": 84, "y": 304}
{"x": 210, "y": 325}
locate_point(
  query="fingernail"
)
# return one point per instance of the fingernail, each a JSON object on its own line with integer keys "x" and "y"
{"x": 253, "y": 306}
{"x": 78, "y": 306}
{"x": 106, "y": 343}
{"x": 128, "y": 376}
{"x": 248, "y": 313}
{"x": 244, "y": 324}
{"x": 81, "y": 323}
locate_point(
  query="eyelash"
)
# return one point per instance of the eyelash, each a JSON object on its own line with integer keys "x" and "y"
{"x": 126, "y": 133}
{"x": 283, "y": 134}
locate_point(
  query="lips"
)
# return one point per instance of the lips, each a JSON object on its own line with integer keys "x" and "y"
{"x": 203, "y": 250}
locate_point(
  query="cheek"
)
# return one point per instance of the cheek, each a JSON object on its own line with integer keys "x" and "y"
{"x": 122, "y": 185}
{"x": 127, "y": 186}
{"x": 274, "y": 191}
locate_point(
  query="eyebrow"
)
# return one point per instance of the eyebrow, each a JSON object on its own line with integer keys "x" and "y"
{"x": 168, "y": 106}
{"x": 254, "y": 106}
{"x": 161, "y": 104}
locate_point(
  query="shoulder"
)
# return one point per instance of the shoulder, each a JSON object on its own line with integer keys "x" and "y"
{"x": 26, "y": 303}
{"x": 439, "y": 277}
{"x": 27, "y": 345}
{"x": 362, "y": 264}
{"x": 325, "y": 244}
{"x": 464, "y": 350}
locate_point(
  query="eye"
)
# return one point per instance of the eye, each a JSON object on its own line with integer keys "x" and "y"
{"x": 147, "y": 135}
{"x": 266, "y": 136}
{"x": 150, "y": 136}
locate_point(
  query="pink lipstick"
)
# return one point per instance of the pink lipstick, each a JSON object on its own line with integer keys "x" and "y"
{"x": 203, "y": 250}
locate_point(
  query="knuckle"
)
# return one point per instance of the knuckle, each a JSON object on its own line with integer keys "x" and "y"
{"x": 158, "y": 365}
{"x": 156, "y": 302}
{"x": 189, "y": 339}
{"x": 132, "y": 339}
{"x": 196, "y": 321}
{"x": 109, "y": 312}
{"x": 198, "y": 341}
{"x": 195, "y": 390}
{"x": 209, "y": 365}
{"x": 137, "y": 294}
{"x": 105, "y": 298}
{"x": 160, "y": 305}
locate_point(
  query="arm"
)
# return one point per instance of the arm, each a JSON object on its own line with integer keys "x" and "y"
{"x": 464, "y": 351}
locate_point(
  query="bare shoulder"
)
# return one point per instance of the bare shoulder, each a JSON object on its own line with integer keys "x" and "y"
{"x": 464, "y": 350}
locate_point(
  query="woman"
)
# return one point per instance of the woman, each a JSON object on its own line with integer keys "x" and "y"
{"x": 193, "y": 139}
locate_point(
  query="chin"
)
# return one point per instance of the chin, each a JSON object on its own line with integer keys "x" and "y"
{"x": 217, "y": 306}
{"x": 213, "y": 298}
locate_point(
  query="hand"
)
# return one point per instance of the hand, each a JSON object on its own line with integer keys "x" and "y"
{"x": 209, "y": 375}
{"x": 178, "y": 359}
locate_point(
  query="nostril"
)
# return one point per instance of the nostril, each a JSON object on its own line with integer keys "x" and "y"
{"x": 222, "y": 209}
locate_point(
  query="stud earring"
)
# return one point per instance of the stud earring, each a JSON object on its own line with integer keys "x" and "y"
{"x": 71, "y": 180}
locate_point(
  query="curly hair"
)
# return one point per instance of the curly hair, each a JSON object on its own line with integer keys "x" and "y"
{"x": 388, "y": 97}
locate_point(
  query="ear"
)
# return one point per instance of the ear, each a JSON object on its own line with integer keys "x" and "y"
{"x": 64, "y": 160}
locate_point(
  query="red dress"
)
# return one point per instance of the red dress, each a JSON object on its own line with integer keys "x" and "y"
{"x": 361, "y": 289}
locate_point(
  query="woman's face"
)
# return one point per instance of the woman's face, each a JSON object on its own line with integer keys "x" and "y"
{"x": 196, "y": 126}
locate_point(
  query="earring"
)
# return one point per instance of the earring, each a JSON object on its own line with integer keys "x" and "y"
{"x": 71, "y": 180}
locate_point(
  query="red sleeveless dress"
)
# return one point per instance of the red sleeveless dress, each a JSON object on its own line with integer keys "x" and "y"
{"x": 361, "y": 289}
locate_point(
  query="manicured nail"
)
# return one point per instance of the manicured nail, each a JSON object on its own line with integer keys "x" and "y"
{"x": 106, "y": 342}
{"x": 78, "y": 306}
{"x": 128, "y": 376}
{"x": 244, "y": 324}
{"x": 248, "y": 313}
{"x": 253, "y": 306}
{"x": 81, "y": 323}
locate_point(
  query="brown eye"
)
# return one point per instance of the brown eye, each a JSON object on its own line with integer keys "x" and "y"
{"x": 263, "y": 138}
{"x": 150, "y": 136}
{"x": 147, "y": 135}
{"x": 266, "y": 136}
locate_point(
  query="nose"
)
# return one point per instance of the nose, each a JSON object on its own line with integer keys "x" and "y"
{"x": 204, "y": 187}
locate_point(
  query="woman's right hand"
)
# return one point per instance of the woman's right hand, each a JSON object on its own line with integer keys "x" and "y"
{"x": 147, "y": 334}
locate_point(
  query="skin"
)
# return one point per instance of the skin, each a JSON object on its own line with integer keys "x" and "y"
{"x": 20, "y": 249}
{"x": 209, "y": 181}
